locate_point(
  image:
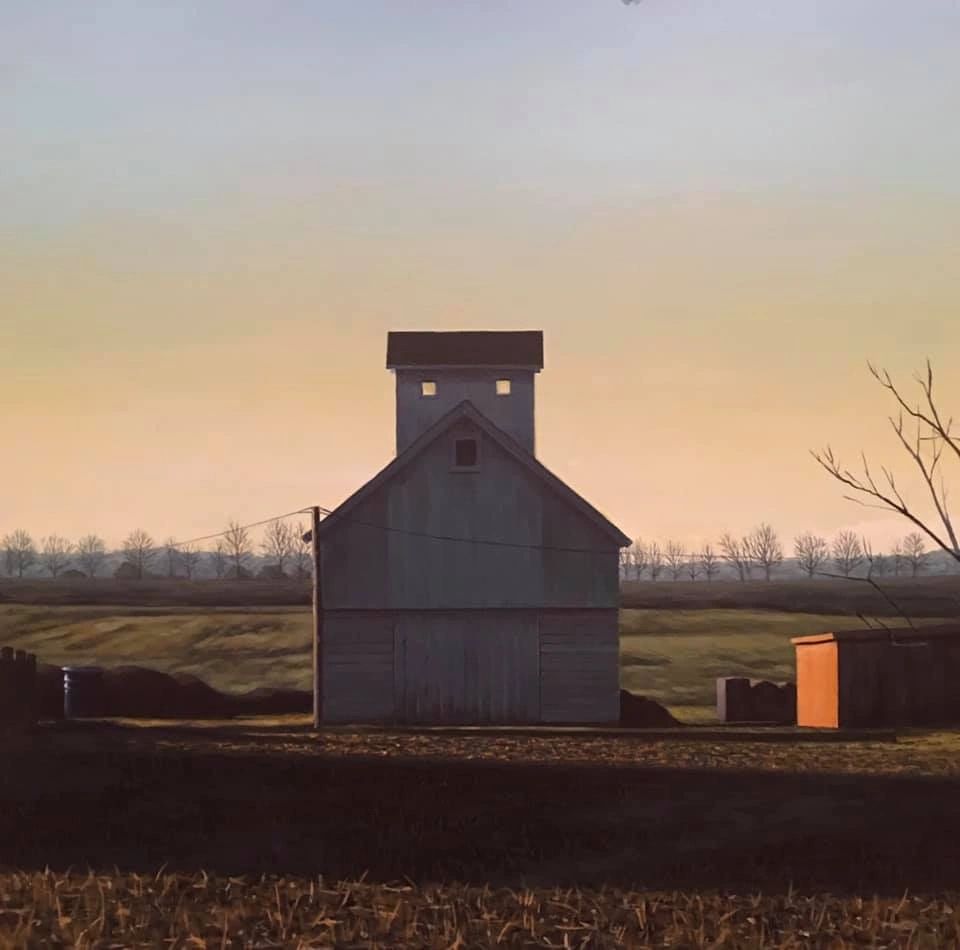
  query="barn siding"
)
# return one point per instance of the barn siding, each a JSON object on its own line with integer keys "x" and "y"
{"x": 496, "y": 666}
{"x": 368, "y": 568}
{"x": 358, "y": 667}
{"x": 467, "y": 667}
{"x": 579, "y": 667}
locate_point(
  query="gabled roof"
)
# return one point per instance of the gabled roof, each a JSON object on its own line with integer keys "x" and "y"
{"x": 465, "y": 348}
{"x": 466, "y": 410}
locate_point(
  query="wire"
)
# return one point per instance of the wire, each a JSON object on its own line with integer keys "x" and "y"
{"x": 488, "y": 541}
{"x": 255, "y": 524}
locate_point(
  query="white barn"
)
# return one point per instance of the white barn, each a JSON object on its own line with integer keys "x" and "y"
{"x": 465, "y": 583}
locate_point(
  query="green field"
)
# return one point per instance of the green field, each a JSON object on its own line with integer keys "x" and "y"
{"x": 673, "y": 656}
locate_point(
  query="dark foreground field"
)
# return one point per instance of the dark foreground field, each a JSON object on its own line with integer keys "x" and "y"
{"x": 609, "y": 841}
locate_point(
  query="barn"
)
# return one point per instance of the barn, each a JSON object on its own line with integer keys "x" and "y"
{"x": 465, "y": 583}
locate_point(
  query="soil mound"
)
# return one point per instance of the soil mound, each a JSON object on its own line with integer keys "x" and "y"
{"x": 639, "y": 712}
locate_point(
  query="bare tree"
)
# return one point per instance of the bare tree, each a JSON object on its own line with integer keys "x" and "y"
{"x": 237, "y": 540}
{"x": 735, "y": 552}
{"x": 898, "y": 559}
{"x": 190, "y": 559}
{"x": 867, "y": 547}
{"x": 914, "y": 552}
{"x": 55, "y": 554}
{"x": 172, "y": 556}
{"x": 763, "y": 546}
{"x": 881, "y": 564}
{"x": 847, "y": 553}
{"x": 219, "y": 558}
{"x": 91, "y": 553}
{"x": 694, "y": 567}
{"x": 709, "y": 562}
{"x": 638, "y": 558}
{"x": 302, "y": 552}
{"x": 138, "y": 550}
{"x": 19, "y": 552}
{"x": 811, "y": 552}
{"x": 925, "y": 447}
{"x": 625, "y": 564}
{"x": 278, "y": 543}
{"x": 654, "y": 559}
{"x": 673, "y": 554}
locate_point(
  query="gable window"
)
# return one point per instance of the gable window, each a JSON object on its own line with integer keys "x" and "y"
{"x": 503, "y": 387}
{"x": 428, "y": 387}
{"x": 466, "y": 454}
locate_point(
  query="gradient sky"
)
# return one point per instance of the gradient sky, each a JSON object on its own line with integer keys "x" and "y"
{"x": 211, "y": 214}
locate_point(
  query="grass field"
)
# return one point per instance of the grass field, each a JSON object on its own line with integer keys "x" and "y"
{"x": 673, "y": 656}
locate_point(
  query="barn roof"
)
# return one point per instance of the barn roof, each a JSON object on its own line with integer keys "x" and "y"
{"x": 465, "y": 348}
{"x": 466, "y": 410}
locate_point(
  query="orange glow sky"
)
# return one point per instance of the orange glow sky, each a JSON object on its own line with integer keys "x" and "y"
{"x": 715, "y": 218}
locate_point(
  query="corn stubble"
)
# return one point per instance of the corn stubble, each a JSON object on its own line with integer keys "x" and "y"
{"x": 172, "y": 910}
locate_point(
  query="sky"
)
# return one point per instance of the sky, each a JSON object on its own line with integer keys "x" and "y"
{"x": 211, "y": 215}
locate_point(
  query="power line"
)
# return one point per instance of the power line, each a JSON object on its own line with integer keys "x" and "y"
{"x": 255, "y": 524}
{"x": 486, "y": 541}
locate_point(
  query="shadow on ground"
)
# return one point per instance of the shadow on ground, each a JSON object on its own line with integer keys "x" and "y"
{"x": 111, "y": 796}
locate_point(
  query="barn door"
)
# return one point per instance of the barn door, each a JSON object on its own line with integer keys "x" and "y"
{"x": 456, "y": 668}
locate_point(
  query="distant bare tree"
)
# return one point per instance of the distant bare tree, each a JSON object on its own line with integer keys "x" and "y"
{"x": 763, "y": 547}
{"x": 190, "y": 559}
{"x": 302, "y": 552}
{"x": 925, "y": 446}
{"x": 138, "y": 550}
{"x": 881, "y": 564}
{"x": 914, "y": 552}
{"x": 91, "y": 553}
{"x": 847, "y": 553}
{"x": 237, "y": 540}
{"x": 638, "y": 558}
{"x": 709, "y": 562}
{"x": 694, "y": 567}
{"x": 735, "y": 552}
{"x": 625, "y": 563}
{"x": 867, "y": 547}
{"x": 811, "y": 552}
{"x": 897, "y": 558}
{"x": 654, "y": 560}
{"x": 219, "y": 559}
{"x": 55, "y": 554}
{"x": 172, "y": 556}
{"x": 278, "y": 543}
{"x": 19, "y": 552}
{"x": 673, "y": 554}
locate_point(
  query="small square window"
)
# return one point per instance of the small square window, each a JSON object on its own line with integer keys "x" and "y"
{"x": 465, "y": 453}
{"x": 428, "y": 388}
{"x": 503, "y": 387}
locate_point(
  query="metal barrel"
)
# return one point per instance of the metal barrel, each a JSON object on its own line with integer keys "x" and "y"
{"x": 83, "y": 692}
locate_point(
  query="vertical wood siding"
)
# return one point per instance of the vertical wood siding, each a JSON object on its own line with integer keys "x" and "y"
{"x": 467, "y": 668}
{"x": 579, "y": 667}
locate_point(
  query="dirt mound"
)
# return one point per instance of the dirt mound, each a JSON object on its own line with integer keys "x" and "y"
{"x": 138, "y": 692}
{"x": 639, "y": 712}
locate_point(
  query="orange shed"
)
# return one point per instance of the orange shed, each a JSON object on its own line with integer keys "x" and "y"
{"x": 878, "y": 677}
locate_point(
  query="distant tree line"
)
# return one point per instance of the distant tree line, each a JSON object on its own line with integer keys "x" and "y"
{"x": 282, "y": 554}
{"x": 760, "y": 553}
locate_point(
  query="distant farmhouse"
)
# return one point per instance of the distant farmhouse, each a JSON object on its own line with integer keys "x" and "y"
{"x": 465, "y": 583}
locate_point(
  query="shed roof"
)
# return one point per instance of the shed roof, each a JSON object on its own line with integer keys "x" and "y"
{"x": 465, "y": 348}
{"x": 466, "y": 410}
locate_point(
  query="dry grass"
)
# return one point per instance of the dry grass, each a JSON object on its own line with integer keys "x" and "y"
{"x": 202, "y": 910}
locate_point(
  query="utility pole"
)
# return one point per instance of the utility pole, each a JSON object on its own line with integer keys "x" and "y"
{"x": 317, "y": 617}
